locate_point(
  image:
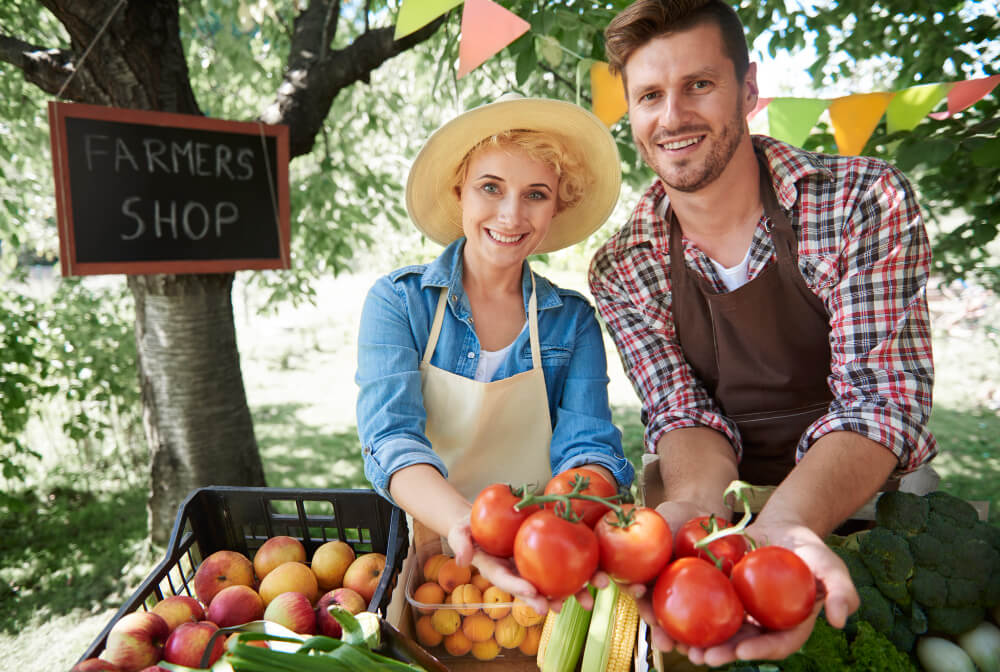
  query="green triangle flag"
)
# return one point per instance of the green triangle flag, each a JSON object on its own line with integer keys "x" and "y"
{"x": 791, "y": 119}
{"x": 415, "y": 14}
{"x": 911, "y": 105}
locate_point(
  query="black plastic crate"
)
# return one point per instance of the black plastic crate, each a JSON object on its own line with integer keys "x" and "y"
{"x": 241, "y": 519}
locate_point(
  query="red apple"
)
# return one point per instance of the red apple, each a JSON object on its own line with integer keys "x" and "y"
{"x": 219, "y": 570}
{"x": 95, "y": 665}
{"x": 188, "y": 642}
{"x": 349, "y": 599}
{"x": 276, "y": 551}
{"x": 136, "y": 641}
{"x": 294, "y": 611}
{"x": 235, "y": 605}
{"x": 178, "y": 609}
{"x": 329, "y": 563}
{"x": 363, "y": 574}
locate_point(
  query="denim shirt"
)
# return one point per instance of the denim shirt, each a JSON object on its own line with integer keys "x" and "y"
{"x": 395, "y": 327}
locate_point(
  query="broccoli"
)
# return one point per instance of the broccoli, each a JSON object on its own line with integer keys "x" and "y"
{"x": 872, "y": 651}
{"x": 928, "y": 551}
{"x": 918, "y": 619}
{"x": 928, "y": 587}
{"x": 963, "y": 593}
{"x": 962, "y": 514}
{"x": 856, "y": 566}
{"x": 942, "y": 528}
{"x": 902, "y": 637}
{"x": 954, "y": 620}
{"x": 875, "y": 609}
{"x": 826, "y": 650}
{"x": 902, "y": 512}
{"x": 975, "y": 559}
{"x": 988, "y": 533}
{"x": 887, "y": 556}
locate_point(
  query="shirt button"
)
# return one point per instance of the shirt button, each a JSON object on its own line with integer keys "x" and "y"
{"x": 454, "y": 298}
{"x": 472, "y": 355}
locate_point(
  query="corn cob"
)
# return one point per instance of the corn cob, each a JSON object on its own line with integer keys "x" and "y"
{"x": 562, "y": 637}
{"x": 611, "y": 637}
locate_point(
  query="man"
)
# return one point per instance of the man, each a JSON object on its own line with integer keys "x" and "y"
{"x": 768, "y": 305}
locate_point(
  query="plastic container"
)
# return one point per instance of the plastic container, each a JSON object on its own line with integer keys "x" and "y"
{"x": 463, "y": 611}
{"x": 241, "y": 519}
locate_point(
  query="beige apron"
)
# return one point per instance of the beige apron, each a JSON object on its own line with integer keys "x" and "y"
{"x": 496, "y": 432}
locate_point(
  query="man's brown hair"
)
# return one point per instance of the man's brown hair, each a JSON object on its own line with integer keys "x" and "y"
{"x": 645, "y": 20}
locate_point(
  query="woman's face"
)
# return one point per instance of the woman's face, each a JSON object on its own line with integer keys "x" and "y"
{"x": 508, "y": 201}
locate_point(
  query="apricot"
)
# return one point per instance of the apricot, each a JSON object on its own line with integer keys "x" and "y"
{"x": 487, "y": 650}
{"x": 509, "y": 633}
{"x": 525, "y": 615}
{"x": 426, "y": 634}
{"x": 446, "y": 621}
{"x": 532, "y": 636}
{"x": 450, "y": 575}
{"x": 466, "y": 594}
{"x": 480, "y": 582}
{"x": 495, "y": 595}
{"x": 457, "y": 644}
{"x": 429, "y": 592}
{"x": 478, "y": 627}
{"x": 432, "y": 565}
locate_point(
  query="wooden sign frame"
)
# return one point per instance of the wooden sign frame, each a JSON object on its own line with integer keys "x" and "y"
{"x": 70, "y": 221}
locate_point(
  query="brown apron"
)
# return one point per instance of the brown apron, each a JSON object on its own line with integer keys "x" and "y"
{"x": 762, "y": 350}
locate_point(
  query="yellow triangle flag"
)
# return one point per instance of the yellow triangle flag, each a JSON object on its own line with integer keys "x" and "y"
{"x": 854, "y": 118}
{"x": 415, "y": 14}
{"x": 486, "y": 29}
{"x": 608, "y": 93}
{"x": 911, "y": 105}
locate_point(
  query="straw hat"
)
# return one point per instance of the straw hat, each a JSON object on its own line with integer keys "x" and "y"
{"x": 432, "y": 203}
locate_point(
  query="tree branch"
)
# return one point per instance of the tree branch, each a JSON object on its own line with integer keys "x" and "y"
{"x": 45, "y": 67}
{"x": 314, "y": 75}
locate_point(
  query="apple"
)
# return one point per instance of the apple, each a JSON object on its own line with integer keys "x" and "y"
{"x": 136, "y": 641}
{"x": 177, "y": 609}
{"x": 186, "y": 645}
{"x": 235, "y": 605}
{"x": 289, "y": 577}
{"x": 294, "y": 611}
{"x": 219, "y": 570}
{"x": 95, "y": 665}
{"x": 329, "y": 563}
{"x": 364, "y": 573}
{"x": 277, "y": 551}
{"x": 349, "y": 599}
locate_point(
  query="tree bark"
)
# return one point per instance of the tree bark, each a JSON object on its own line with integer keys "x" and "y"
{"x": 195, "y": 412}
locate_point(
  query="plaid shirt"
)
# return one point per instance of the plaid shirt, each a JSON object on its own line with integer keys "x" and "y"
{"x": 862, "y": 249}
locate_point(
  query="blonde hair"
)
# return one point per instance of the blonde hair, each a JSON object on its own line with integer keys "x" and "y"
{"x": 544, "y": 147}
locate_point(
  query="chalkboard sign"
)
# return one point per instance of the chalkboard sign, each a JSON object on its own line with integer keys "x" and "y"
{"x": 157, "y": 192}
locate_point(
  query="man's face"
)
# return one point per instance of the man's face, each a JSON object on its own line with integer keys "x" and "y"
{"x": 686, "y": 106}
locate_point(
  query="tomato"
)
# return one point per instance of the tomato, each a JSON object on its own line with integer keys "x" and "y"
{"x": 590, "y": 512}
{"x": 775, "y": 586}
{"x": 494, "y": 520}
{"x": 557, "y": 556}
{"x": 696, "y": 604}
{"x": 728, "y": 550}
{"x": 637, "y": 553}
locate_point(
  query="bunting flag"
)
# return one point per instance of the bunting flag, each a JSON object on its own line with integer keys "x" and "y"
{"x": 855, "y": 117}
{"x": 415, "y": 14}
{"x": 486, "y": 29}
{"x": 608, "y": 93}
{"x": 909, "y": 106}
{"x": 761, "y": 104}
{"x": 791, "y": 119}
{"x": 963, "y": 94}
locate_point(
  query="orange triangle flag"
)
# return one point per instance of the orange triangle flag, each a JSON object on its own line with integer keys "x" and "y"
{"x": 486, "y": 29}
{"x": 855, "y": 117}
{"x": 609, "y": 94}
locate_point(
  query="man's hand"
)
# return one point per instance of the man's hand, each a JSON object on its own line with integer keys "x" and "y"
{"x": 835, "y": 592}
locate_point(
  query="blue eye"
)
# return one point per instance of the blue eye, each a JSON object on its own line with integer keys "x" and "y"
{"x": 538, "y": 196}
{"x": 490, "y": 188}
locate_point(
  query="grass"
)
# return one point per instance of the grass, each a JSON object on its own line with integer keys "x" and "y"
{"x": 80, "y": 549}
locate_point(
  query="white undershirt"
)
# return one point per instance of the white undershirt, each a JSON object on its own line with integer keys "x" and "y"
{"x": 489, "y": 362}
{"x": 735, "y": 276}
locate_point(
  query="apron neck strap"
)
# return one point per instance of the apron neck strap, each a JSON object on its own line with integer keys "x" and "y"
{"x": 536, "y": 350}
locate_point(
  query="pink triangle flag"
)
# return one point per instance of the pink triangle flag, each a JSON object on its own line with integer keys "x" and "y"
{"x": 761, "y": 104}
{"x": 486, "y": 29}
{"x": 967, "y": 93}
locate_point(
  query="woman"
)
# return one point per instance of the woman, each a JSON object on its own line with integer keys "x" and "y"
{"x": 472, "y": 369}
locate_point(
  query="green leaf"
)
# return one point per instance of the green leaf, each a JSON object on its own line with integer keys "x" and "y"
{"x": 527, "y": 63}
{"x": 987, "y": 154}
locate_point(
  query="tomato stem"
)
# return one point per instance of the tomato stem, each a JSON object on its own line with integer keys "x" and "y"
{"x": 564, "y": 507}
{"x": 740, "y": 490}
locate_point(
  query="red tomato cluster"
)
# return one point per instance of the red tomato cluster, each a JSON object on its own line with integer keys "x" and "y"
{"x": 701, "y": 604}
{"x": 696, "y": 601}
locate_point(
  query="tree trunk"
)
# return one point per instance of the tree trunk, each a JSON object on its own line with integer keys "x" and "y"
{"x": 194, "y": 404}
